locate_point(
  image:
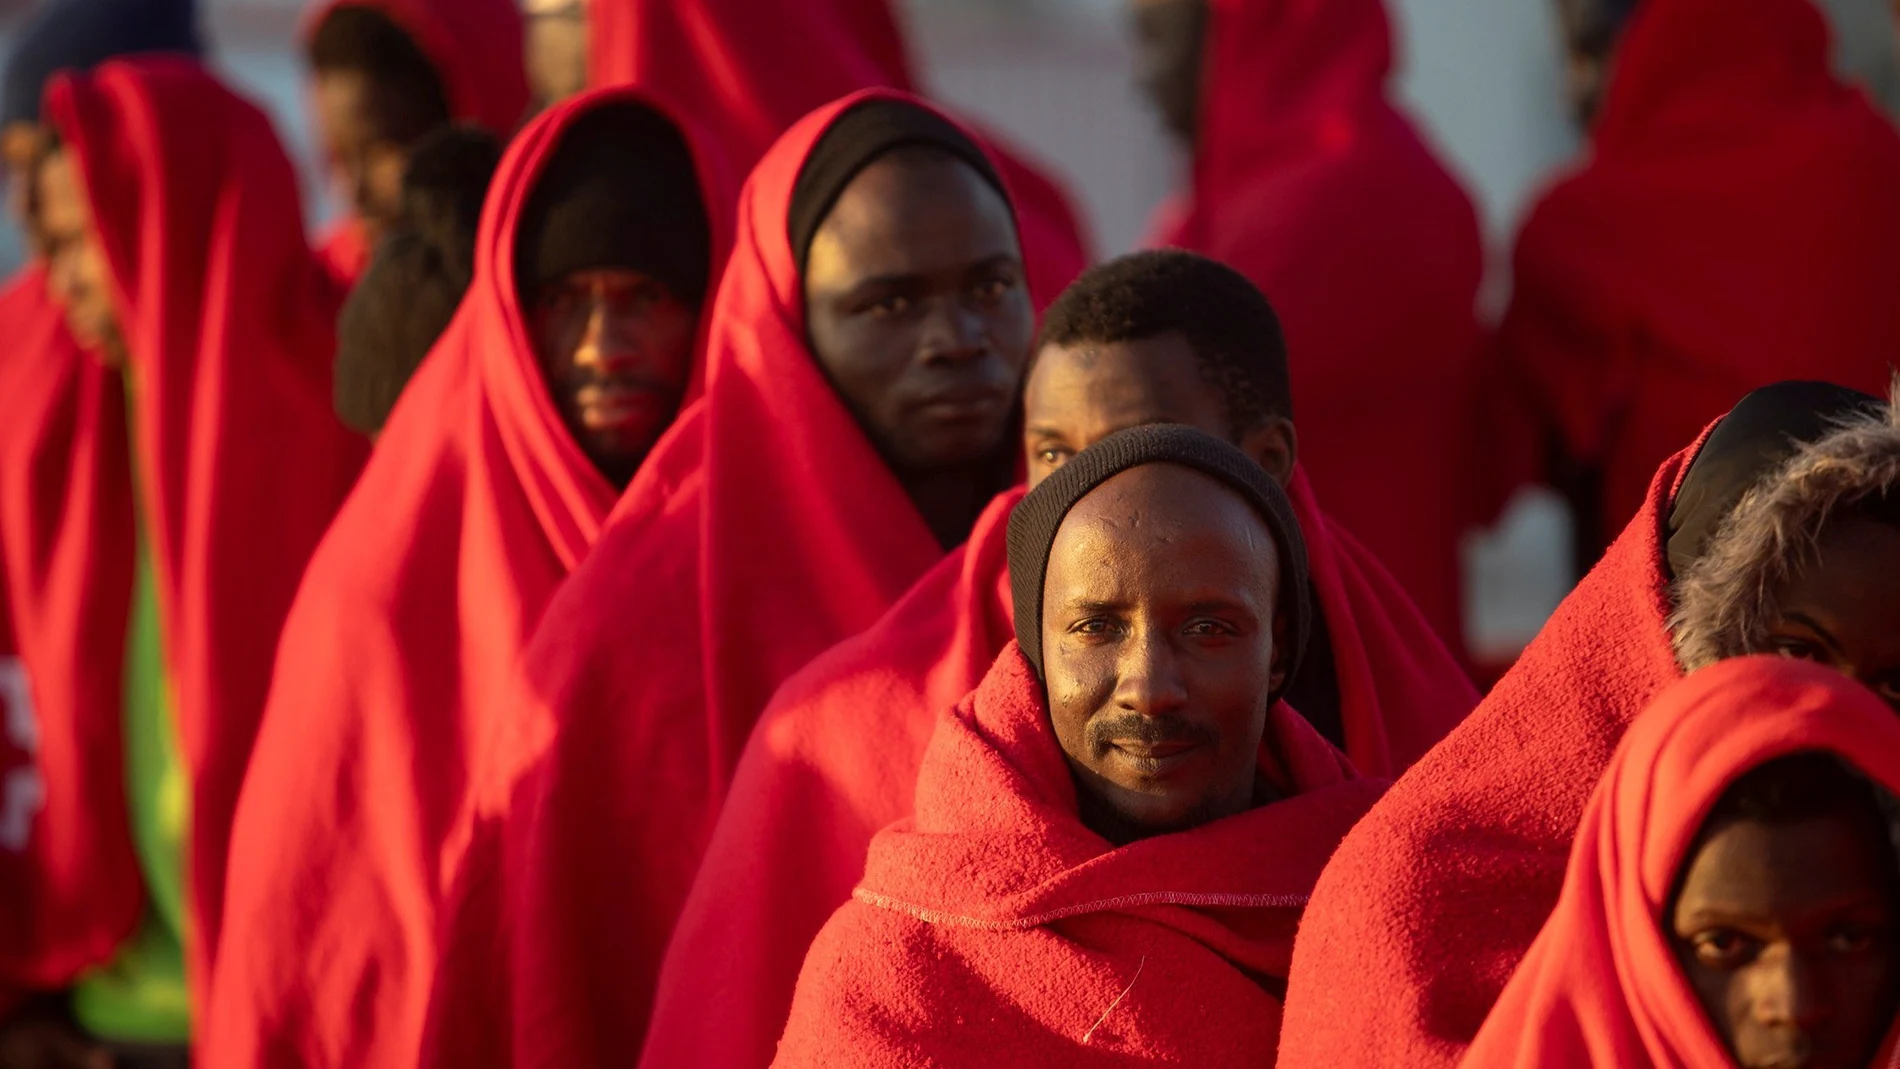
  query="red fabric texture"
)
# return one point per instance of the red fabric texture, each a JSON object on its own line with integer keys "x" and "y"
{"x": 229, "y": 326}
{"x": 1601, "y": 985}
{"x": 476, "y": 506}
{"x": 1734, "y": 226}
{"x": 1309, "y": 181}
{"x": 477, "y": 49}
{"x": 69, "y": 880}
{"x": 1431, "y": 901}
{"x": 993, "y": 928}
{"x": 836, "y": 757}
{"x": 764, "y": 529}
{"x": 732, "y": 60}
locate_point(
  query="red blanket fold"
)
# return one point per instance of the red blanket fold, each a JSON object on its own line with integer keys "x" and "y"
{"x": 732, "y": 60}
{"x": 993, "y": 928}
{"x": 476, "y": 48}
{"x": 69, "y": 880}
{"x": 229, "y": 325}
{"x": 764, "y": 529}
{"x": 836, "y": 757}
{"x": 1601, "y": 985}
{"x": 1314, "y": 185}
{"x": 1734, "y": 226}
{"x": 475, "y": 507}
{"x": 1432, "y": 899}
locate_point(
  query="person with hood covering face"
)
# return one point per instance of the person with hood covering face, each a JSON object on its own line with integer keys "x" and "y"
{"x": 600, "y": 246}
{"x": 729, "y": 57}
{"x": 867, "y": 349}
{"x": 1162, "y": 336}
{"x": 1734, "y": 224}
{"x": 65, "y": 555}
{"x": 1772, "y": 534}
{"x": 1307, "y": 178}
{"x": 174, "y": 237}
{"x": 1733, "y": 894}
{"x": 1115, "y": 832}
{"x": 386, "y": 73}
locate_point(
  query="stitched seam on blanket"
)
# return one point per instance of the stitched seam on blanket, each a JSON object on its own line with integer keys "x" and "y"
{"x": 1106, "y": 905}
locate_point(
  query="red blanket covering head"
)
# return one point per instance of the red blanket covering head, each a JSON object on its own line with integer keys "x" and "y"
{"x": 748, "y": 83}
{"x": 1601, "y": 985}
{"x": 1310, "y": 182}
{"x": 994, "y": 928}
{"x": 1429, "y": 904}
{"x": 475, "y": 507}
{"x": 1734, "y": 226}
{"x": 69, "y": 882}
{"x": 229, "y": 329}
{"x": 764, "y": 529}
{"x": 836, "y": 756}
{"x": 476, "y": 47}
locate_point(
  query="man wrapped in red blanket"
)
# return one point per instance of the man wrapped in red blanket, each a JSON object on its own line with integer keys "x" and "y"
{"x": 1116, "y": 832}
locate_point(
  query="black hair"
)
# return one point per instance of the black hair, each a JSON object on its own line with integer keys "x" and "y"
{"x": 1805, "y": 786}
{"x": 1599, "y": 25}
{"x": 1229, "y": 324}
{"x": 417, "y": 277}
{"x": 353, "y": 37}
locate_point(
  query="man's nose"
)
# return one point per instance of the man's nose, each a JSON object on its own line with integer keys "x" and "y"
{"x": 1787, "y": 992}
{"x": 952, "y": 333}
{"x": 1150, "y": 681}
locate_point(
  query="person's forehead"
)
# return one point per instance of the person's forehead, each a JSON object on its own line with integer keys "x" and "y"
{"x": 909, "y": 209}
{"x": 1156, "y": 508}
{"x": 1156, "y": 372}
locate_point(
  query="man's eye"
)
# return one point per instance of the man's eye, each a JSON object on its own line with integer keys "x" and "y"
{"x": 1053, "y": 457}
{"x": 1855, "y": 939}
{"x": 992, "y": 289}
{"x": 889, "y": 306}
{"x": 1210, "y": 629}
{"x": 1796, "y": 649}
{"x": 1093, "y": 627}
{"x": 1723, "y": 949}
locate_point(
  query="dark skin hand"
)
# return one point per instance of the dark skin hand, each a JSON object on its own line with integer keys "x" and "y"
{"x": 1170, "y": 46}
{"x": 79, "y": 277}
{"x": 1161, "y": 638}
{"x": 919, "y": 315}
{"x": 616, "y": 346}
{"x": 1076, "y": 396}
{"x": 1786, "y": 933}
{"x": 1842, "y": 609}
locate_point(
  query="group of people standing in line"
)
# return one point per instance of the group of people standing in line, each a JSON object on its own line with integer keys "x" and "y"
{"x": 698, "y": 569}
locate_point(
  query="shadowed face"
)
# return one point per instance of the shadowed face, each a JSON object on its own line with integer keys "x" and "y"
{"x": 367, "y": 128}
{"x": 1843, "y": 607}
{"x": 1160, "y": 649}
{"x": 918, "y": 312}
{"x": 617, "y": 348}
{"x": 1079, "y": 394}
{"x": 1170, "y": 46}
{"x": 78, "y": 275}
{"x": 1786, "y": 933}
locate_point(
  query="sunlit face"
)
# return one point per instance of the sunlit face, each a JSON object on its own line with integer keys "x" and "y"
{"x": 918, "y": 311}
{"x": 1786, "y": 933}
{"x": 1170, "y": 43}
{"x": 617, "y": 348}
{"x": 1077, "y": 395}
{"x": 79, "y": 277}
{"x": 367, "y": 131}
{"x": 1843, "y": 608}
{"x": 22, "y": 144}
{"x": 1590, "y": 31}
{"x": 1160, "y": 638}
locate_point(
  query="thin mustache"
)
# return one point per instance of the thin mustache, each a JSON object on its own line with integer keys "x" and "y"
{"x": 1147, "y": 731}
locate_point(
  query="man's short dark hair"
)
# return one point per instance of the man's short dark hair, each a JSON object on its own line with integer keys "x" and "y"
{"x": 1800, "y": 787}
{"x": 1227, "y": 321}
{"x": 356, "y": 38}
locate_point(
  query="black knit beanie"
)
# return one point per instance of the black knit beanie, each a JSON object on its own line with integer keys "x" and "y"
{"x": 622, "y": 190}
{"x": 81, "y": 34}
{"x": 860, "y": 137}
{"x": 1033, "y": 526}
{"x": 1759, "y": 433}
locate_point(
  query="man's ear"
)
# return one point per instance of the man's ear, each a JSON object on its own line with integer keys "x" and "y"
{"x": 1274, "y": 444}
{"x": 1276, "y": 680}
